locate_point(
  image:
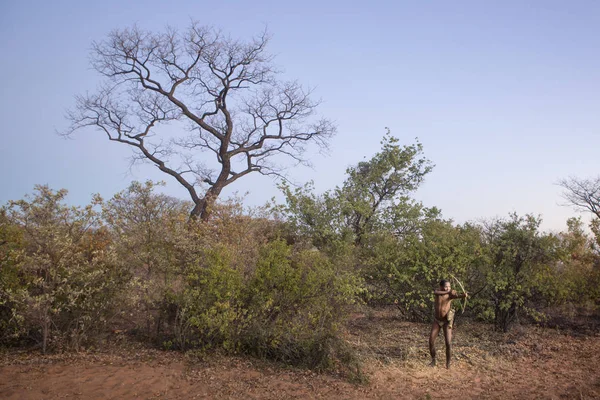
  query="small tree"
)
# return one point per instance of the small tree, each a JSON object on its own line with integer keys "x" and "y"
{"x": 381, "y": 183}
{"x": 374, "y": 196}
{"x": 216, "y": 94}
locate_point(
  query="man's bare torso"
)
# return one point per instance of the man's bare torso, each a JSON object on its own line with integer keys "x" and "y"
{"x": 442, "y": 304}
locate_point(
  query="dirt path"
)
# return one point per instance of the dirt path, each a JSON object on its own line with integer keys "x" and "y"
{"x": 530, "y": 364}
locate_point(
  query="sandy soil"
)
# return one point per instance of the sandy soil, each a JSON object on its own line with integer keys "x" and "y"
{"x": 528, "y": 363}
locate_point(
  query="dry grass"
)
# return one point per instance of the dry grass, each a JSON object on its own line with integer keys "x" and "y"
{"x": 527, "y": 362}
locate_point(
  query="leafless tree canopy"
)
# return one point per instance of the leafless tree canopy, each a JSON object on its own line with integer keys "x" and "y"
{"x": 176, "y": 94}
{"x": 584, "y": 194}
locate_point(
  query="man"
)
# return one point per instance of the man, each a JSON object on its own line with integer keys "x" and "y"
{"x": 443, "y": 315}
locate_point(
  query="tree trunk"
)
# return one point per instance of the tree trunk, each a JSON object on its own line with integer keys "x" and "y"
{"x": 45, "y": 331}
{"x": 203, "y": 208}
{"x": 197, "y": 210}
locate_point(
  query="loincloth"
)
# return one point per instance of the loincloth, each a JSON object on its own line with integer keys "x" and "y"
{"x": 448, "y": 319}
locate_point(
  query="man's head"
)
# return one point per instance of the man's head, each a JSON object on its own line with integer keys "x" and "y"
{"x": 444, "y": 284}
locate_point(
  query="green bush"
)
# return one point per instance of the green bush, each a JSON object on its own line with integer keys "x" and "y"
{"x": 209, "y": 314}
{"x": 289, "y": 306}
{"x": 64, "y": 283}
{"x": 296, "y": 303}
{"x": 405, "y": 270}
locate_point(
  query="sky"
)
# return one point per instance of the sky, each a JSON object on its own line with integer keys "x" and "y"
{"x": 504, "y": 96}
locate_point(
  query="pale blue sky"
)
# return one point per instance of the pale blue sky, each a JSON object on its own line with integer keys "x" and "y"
{"x": 504, "y": 96}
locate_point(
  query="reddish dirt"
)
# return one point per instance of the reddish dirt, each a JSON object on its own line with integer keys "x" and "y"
{"x": 528, "y": 363}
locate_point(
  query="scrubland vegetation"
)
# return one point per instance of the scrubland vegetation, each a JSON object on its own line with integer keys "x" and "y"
{"x": 276, "y": 282}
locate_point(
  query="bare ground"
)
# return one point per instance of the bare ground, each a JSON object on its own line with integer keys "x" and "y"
{"x": 528, "y": 363}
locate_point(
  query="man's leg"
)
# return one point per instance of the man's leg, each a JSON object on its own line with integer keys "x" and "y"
{"x": 448, "y": 339}
{"x": 435, "y": 330}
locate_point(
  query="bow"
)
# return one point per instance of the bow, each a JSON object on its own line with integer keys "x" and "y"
{"x": 464, "y": 291}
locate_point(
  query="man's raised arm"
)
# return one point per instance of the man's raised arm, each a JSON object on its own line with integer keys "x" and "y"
{"x": 454, "y": 295}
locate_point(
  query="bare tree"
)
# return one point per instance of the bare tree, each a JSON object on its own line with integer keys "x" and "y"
{"x": 583, "y": 194}
{"x": 175, "y": 94}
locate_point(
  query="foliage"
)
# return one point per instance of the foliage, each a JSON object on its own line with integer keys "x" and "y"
{"x": 315, "y": 218}
{"x": 518, "y": 254}
{"x": 69, "y": 281}
{"x": 69, "y": 273}
{"x": 147, "y": 231}
{"x": 227, "y": 283}
{"x": 381, "y": 184}
{"x": 210, "y": 313}
{"x": 11, "y": 247}
{"x": 402, "y": 248}
{"x": 405, "y": 270}
{"x": 275, "y": 282}
{"x": 289, "y": 306}
{"x": 374, "y": 197}
{"x": 296, "y": 303}
{"x": 576, "y": 276}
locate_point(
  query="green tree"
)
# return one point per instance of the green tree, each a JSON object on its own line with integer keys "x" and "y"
{"x": 374, "y": 196}
{"x": 373, "y": 222}
{"x": 315, "y": 218}
{"x": 382, "y": 183}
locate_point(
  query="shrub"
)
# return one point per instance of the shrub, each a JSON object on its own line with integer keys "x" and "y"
{"x": 66, "y": 283}
{"x": 296, "y": 303}
{"x": 289, "y": 306}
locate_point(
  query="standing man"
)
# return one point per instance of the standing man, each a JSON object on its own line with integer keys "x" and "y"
{"x": 443, "y": 315}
